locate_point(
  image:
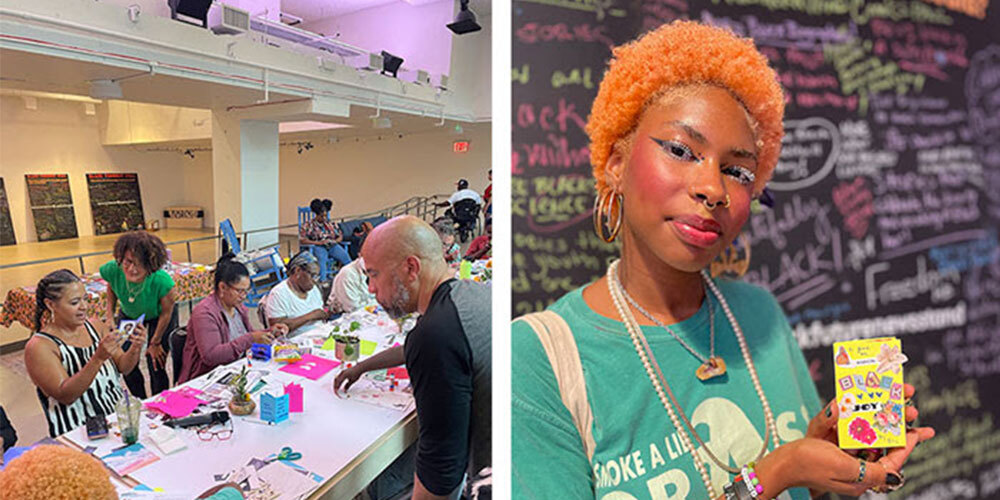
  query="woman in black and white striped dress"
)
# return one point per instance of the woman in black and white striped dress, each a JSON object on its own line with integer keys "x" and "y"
{"x": 75, "y": 370}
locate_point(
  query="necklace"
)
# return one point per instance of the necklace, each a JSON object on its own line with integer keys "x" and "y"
{"x": 667, "y": 397}
{"x": 132, "y": 292}
{"x": 711, "y": 367}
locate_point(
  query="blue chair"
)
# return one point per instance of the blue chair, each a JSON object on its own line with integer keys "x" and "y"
{"x": 229, "y": 234}
{"x": 325, "y": 268}
{"x": 269, "y": 271}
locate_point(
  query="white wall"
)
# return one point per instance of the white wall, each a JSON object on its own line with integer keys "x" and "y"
{"x": 59, "y": 137}
{"x": 358, "y": 176}
{"x": 418, "y": 34}
{"x": 361, "y": 177}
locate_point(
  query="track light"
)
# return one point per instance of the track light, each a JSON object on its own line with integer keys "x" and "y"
{"x": 465, "y": 20}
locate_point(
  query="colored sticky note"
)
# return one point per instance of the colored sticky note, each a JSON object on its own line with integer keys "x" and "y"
{"x": 294, "y": 392}
{"x": 465, "y": 270}
{"x": 399, "y": 371}
{"x": 367, "y": 347}
{"x": 329, "y": 345}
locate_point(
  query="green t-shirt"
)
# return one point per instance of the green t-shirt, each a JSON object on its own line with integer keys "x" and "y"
{"x": 146, "y": 296}
{"x": 638, "y": 453}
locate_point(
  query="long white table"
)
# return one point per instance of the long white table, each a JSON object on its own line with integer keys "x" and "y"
{"x": 346, "y": 441}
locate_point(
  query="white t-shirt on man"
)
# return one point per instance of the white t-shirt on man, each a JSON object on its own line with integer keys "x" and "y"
{"x": 463, "y": 194}
{"x": 282, "y": 302}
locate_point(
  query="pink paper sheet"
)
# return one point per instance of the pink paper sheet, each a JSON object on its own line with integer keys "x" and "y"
{"x": 175, "y": 404}
{"x": 310, "y": 367}
{"x": 399, "y": 371}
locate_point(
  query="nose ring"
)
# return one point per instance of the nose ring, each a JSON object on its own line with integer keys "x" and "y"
{"x": 712, "y": 206}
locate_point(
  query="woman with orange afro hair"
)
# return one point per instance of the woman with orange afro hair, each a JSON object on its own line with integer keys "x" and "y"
{"x": 657, "y": 380}
{"x": 49, "y": 472}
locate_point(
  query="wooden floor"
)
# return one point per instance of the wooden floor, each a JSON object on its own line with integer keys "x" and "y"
{"x": 203, "y": 252}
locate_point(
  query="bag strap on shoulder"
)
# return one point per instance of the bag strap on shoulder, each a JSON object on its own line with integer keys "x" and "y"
{"x": 560, "y": 347}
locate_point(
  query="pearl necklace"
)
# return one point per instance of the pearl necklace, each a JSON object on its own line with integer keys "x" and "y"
{"x": 649, "y": 361}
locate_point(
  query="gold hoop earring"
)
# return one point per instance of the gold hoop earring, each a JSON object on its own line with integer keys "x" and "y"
{"x": 604, "y": 204}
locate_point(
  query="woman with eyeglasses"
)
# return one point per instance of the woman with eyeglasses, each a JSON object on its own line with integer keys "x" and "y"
{"x": 139, "y": 286}
{"x": 219, "y": 331}
{"x": 297, "y": 302}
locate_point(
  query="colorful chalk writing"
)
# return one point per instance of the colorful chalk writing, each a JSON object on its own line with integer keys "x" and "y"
{"x": 887, "y": 190}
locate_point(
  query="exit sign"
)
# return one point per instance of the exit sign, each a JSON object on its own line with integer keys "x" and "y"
{"x": 460, "y": 146}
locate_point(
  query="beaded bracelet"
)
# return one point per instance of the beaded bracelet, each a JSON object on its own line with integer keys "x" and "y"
{"x": 750, "y": 478}
{"x": 745, "y": 486}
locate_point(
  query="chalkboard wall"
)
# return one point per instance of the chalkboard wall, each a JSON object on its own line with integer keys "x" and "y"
{"x": 887, "y": 193}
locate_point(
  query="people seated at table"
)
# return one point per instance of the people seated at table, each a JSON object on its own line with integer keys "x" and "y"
{"x": 482, "y": 244}
{"x": 350, "y": 289}
{"x": 74, "y": 367}
{"x": 139, "y": 286}
{"x": 447, "y": 354}
{"x": 53, "y": 471}
{"x": 323, "y": 235}
{"x": 297, "y": 302}
{"x": 219, "y": 331}
{"x": 446, "y": 232}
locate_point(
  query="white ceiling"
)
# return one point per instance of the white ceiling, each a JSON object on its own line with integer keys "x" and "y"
{"x": 314, "y": 10}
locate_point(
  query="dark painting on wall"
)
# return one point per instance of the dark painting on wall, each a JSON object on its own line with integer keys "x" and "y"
{"x": 6, "y": 226}
{"x": 115, "y": 202}
{"x": 51, "y": 206}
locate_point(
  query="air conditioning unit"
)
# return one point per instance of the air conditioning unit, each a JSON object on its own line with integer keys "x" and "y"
{"x": 440, "y": 81}
{"x": 375, "y": 62}
{"x": 225, "y": 19}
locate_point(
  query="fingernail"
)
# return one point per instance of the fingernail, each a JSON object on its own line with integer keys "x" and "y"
{"x": 829, "y": 410}
{"x": 892, "y": 479}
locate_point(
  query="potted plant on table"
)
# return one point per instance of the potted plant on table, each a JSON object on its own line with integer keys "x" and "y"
{"x": 348, "y": 347}
{"x": 241, "y": 404}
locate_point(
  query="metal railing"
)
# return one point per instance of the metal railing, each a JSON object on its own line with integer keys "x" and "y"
{"x": 424, "y": 207}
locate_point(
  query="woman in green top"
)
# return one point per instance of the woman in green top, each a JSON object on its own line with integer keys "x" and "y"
{"x": 137, "y": 283}
{"x": 657, "y": 381}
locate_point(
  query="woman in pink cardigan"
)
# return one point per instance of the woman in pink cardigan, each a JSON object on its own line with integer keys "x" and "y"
{"x": 219, "y": 330}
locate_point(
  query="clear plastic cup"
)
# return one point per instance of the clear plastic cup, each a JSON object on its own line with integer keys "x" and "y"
{"x": 129, "y": 409}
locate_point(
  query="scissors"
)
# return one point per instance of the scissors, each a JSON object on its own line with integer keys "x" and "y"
{"x": 287, "y": 455}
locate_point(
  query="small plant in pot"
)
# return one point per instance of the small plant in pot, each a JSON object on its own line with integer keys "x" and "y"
{"x": 241, "y": 404}
{"x": 348, "y": 347}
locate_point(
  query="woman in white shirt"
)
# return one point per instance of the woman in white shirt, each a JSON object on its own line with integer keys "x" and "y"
{"x": 297, "y": 302}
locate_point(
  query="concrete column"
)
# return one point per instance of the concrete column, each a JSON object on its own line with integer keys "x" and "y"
{"x": 245, "y": 175}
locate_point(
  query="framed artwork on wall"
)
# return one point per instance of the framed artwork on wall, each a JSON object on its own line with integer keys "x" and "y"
{"x": 115, "y": 202}
{"x": 51, "y": 206}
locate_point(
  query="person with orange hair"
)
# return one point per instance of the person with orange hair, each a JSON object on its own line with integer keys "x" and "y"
{"x": 51, "y": 471}
{"x": 659, "y": 380}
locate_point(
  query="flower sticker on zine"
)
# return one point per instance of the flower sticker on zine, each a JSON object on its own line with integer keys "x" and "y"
{"x": 869, "y": 385}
